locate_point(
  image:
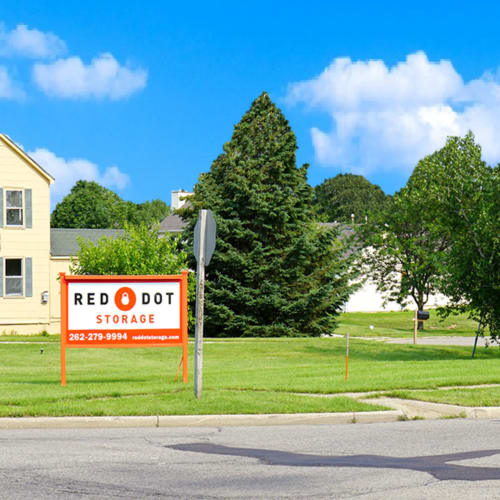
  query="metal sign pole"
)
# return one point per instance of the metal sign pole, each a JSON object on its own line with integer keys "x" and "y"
{"x": 200, "y": 297}
{"x": 203, "y": 247}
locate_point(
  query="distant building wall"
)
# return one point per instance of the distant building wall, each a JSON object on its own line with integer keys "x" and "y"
{"x": 179, "y": 198}
{"x": 57, "y": 265}
{"x": 368, "y": 299}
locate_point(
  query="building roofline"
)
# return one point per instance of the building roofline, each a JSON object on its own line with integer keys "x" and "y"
{"x": 14, "y": 147}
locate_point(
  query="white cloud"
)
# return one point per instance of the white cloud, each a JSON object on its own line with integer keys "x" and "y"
{"x": 67, "y": 172}
{"x": 103, "y": 78}
{"x": 389, "y": 118}
{"x": 23, "y": 41}
{"x": 8, "y": 89}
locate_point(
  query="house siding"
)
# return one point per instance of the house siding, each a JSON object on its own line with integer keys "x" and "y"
{"x": 16, "y": 313}
{"x": 57, "y": 265}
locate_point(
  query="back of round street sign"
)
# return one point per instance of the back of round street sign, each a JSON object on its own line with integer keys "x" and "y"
{"x": 203, "y": 247}
{"x": 208, "y": 234}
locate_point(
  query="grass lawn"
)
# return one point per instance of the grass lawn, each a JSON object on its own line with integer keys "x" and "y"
{"x": 400, "y": 324}
{"x": 479, "y": 396}
{"x": 42, "y": 339}
{"x": 247, "y": 376}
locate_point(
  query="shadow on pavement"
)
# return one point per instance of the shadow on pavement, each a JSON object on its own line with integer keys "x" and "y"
{"x": 437, "y": 465}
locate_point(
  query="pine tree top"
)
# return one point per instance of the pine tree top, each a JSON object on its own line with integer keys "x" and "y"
{"x": 271, "y": 273}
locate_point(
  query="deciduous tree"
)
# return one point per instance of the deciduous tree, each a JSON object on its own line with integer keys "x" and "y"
{"x": 403, "y": 256}
{"x": 140, "y": 250}
{"x": 337, "y": 198}
{"x": 90, "y": 205}
{"x": 462, "y": 194}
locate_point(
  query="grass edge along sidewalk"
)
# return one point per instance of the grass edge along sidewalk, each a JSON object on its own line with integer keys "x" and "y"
{"x": 478, "y": 396}
{"x": 240, "y": 377}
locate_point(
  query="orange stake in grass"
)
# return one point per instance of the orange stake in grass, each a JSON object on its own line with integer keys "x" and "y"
{"x": 346, "y": 356}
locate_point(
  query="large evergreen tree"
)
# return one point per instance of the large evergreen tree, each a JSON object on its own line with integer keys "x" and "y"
{"x": 274, "y": 272}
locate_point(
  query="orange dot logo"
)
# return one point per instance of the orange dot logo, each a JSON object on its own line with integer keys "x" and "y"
{"x": 125, "y": 298}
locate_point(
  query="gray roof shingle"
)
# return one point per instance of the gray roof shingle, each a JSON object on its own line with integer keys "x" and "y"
{"x": 63, "y": 242}
{"x": 172, "y": 224}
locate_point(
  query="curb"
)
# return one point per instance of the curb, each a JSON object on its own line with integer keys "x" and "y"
{"x": 201, "y": 420}
{"x": 405, "y": 409}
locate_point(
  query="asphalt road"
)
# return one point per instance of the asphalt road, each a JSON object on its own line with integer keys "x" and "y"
{"x": 403, "y": 460}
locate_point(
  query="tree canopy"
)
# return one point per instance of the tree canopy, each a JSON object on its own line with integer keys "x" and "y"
{"x": 90, "y": 205}
{"x": 140, "y": 250}
{"x": 274, "y": 272}
{"x": 441, "y": 233}
{"x": 337, "y": 198}
{"x": 462, "y": 196}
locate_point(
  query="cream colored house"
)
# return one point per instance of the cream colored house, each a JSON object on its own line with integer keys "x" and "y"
{"x": 24, "y": 241}
{"x": 31, "y": 253}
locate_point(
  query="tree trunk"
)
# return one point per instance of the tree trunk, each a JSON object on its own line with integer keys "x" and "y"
{"x": 420, "y": 325}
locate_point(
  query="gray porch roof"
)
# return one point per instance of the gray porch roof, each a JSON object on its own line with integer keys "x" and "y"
{"x": 172, "y": 224}
{"x": 63, "y": 242}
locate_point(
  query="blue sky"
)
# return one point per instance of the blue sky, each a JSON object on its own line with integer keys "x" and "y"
{"x": 141, "y": 96}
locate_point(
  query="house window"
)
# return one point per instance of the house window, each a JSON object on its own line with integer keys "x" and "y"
{"x": 14, "y": 207}
{"x": 14, "y": 277}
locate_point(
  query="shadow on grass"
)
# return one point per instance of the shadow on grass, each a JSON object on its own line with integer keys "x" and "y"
{"x": 80, "y": 381}
{"x": 109, "y": 380}
{"x": 394, "y": 352}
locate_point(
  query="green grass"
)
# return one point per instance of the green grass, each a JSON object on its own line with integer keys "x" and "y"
{"x": 400, "y": 324}
{"x": 247, "y": 376}
{"x": 43, "y": 339}
{"x": 479, "y": 396}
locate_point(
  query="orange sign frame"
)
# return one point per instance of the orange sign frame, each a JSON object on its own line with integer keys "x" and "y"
{"x": 107, "y": 337}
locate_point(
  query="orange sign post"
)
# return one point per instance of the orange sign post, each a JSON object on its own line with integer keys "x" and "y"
{"x": 124, "y": 311}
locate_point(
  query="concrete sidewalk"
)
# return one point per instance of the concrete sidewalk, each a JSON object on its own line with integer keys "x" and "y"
{"x": 401, "y": 409}
{"x": 424, "y": 409}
